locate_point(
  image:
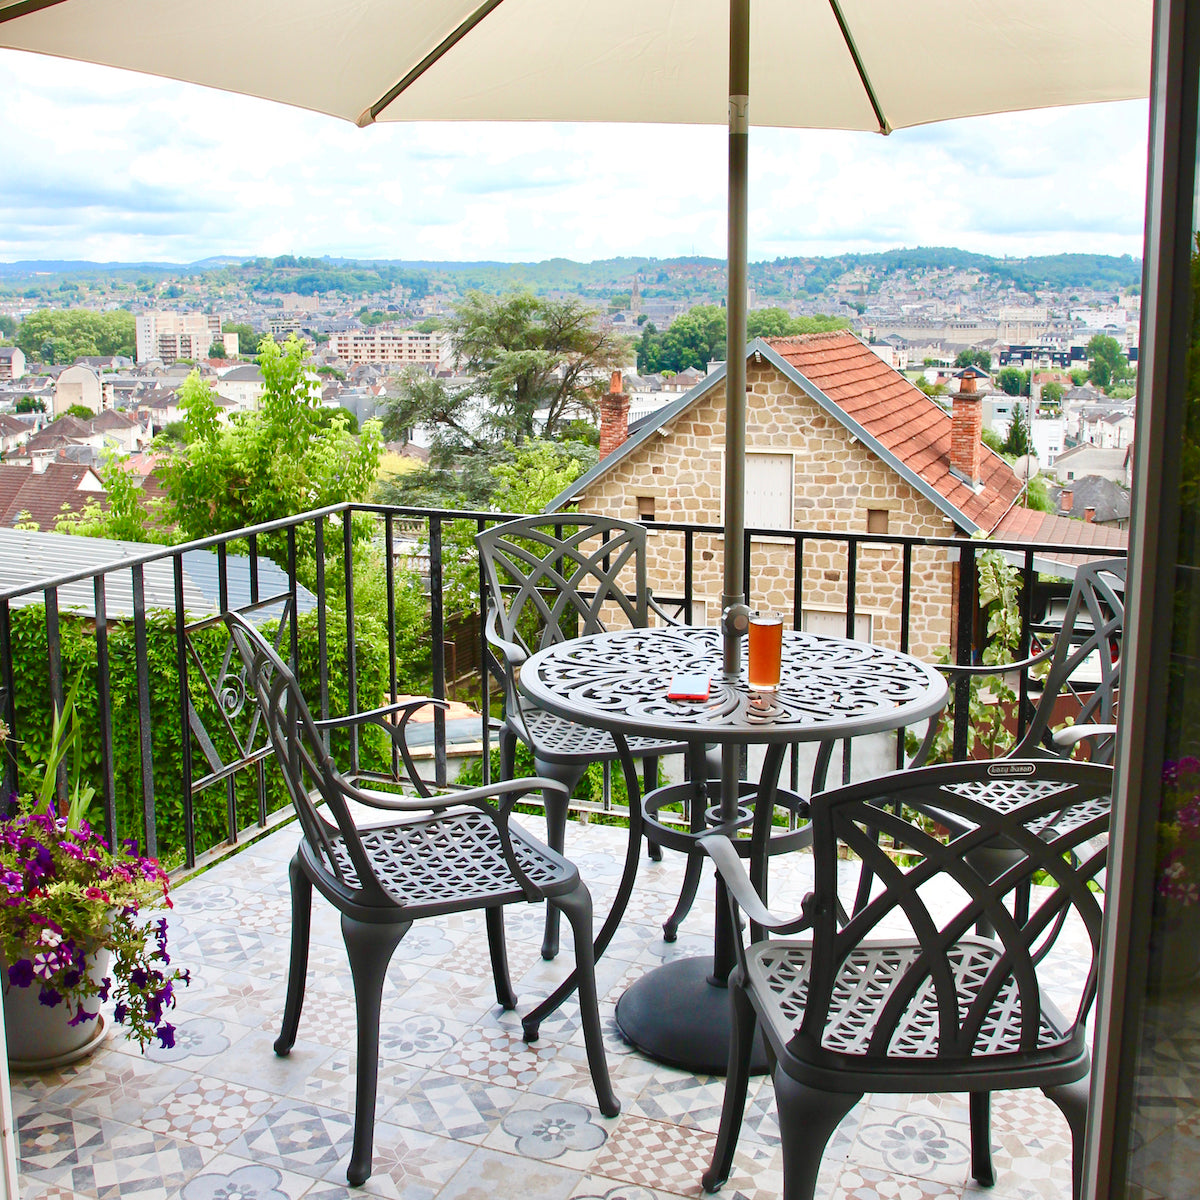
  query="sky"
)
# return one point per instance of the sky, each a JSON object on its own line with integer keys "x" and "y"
{"x": 106, "y": 165}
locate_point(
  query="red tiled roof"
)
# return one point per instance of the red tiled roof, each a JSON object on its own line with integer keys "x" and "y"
{"x": 1031, "y": 525}
{"x": 42, "y": 495}
{"x": 899, "y": 416}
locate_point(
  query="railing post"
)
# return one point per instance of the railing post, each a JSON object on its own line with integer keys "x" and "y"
{"x": 389, "y": 573}
{"x": 108, "y": 785}
{"x": 145, "y": 743}
{"x": 322, "y": 619}
{"x": 689, "y": 550}
{"x": 1026, "y": 641}
{"x": 54, "y": 660}
{"x": 9, "y": 712}
{"x": 485, "y": 681}
{"x": 438, "y": 620}
{"x": 966, "y": 625}
{"x": 352, "y": 705}
{"x": 185, "y": 722}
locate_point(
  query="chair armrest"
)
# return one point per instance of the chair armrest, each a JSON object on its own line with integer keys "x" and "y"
{"x": 514, "y": 655}
{"x": 981, "y": 671}
{"x": 408, "y": 707}
{"x": 661, "y": 612}
{"x": 720, "y": 849}
{"x": 1072, "y": 735}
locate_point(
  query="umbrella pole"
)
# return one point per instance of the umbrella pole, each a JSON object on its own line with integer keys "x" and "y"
{"x": 734, "y": 613}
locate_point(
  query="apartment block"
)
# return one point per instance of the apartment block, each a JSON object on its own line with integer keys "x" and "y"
{"x": 402, "y": 346}
{"x": 170, "y": 336}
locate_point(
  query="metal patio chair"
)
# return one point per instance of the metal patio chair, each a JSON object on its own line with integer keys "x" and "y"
{"x": 904, "y": 995}
{"x": 1090, "y": 633}
{"x": 550, "y": 579}
{"x": 422, "y": 856}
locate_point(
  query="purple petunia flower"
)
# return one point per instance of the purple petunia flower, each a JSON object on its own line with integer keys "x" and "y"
{"x": 166, "y": 1035}
{"x": 49, "y": 997}
{"x": 120, "y": 1012}
{"x": 82, "y": 1015}
{"x": 20, "y": 974}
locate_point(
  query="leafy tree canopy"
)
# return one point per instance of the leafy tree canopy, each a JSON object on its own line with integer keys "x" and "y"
{"x": 1109, "y": 363}
{"x": 1013, "y": 381}
{"x": 54, "y": 335}
{"x": 247, "y": 338}
{"x": 282, "y": 460}
{"x": 28, "y": 404}
{"x": 1017, "y": 442}
{"x": 1052, "y": 393}
{"x": 538, "y": 366}
{"x": 974, "y": 358}
{"x": 81, "y": 411}
{"x": 217, "y": 349}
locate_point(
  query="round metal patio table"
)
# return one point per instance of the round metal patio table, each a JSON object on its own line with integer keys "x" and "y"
{"x": 830, "y": 689}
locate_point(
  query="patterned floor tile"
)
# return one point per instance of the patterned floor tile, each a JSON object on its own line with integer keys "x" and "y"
{"x": 462, "y": 1109}
{"x": 120, "y": 1086}
{"x": 407, "y": 1164}
{"x": 207, "y": 1112}
{"x": 299, "y": 1137}
{"x": 592, "y": 1187}
{"x": 913, "y": 1144}
{"x": 229, "y": 1178}
{"x": 558, "y": 1131}
{"x": 490, "y": 1175}
{"x": 654, "y": 1154}
{"x": 867, "y": 1183}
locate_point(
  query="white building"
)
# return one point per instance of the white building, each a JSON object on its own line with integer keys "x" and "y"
{"x": 408, "y": 347}
{"x": 172, "y": 335}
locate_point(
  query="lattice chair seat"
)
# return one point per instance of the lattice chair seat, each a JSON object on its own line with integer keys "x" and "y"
{"x": 555, "y": 737}
{"x": 453, "y": 861}
{"x": 869, "y": 977}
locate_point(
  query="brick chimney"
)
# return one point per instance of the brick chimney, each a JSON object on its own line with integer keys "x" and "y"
{"x": 614, "y": 416}
{"x": 1089, "y": 513}
{"x": 966, "y": 449}
{"x": 1066, "y": 499}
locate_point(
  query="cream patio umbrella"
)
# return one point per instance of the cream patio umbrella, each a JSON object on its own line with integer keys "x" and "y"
{"x": 830, "y": 64}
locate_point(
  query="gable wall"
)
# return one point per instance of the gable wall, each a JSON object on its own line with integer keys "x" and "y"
{"x": 836, "y": 480}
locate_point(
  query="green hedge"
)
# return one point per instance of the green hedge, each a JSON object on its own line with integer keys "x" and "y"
{"x": 32, "y": 711}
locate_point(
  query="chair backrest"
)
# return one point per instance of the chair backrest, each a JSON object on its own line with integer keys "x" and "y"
{"x": 944, "y": 992}
{"x": 551, "y": 579}
{"x": 1091, "y": 628}
{"x": 308, "y": 771}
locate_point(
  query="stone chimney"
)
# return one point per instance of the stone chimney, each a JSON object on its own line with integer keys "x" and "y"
{"x": 966, "y": 449}
{"x": 1066, "y": 499}
{"x": 614, "y": 416}
{"x": 1089, "y": 514}
{"x": 39, "y": 463}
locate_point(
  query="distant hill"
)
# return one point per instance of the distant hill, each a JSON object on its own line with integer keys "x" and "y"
{"x": 687, "y": 278}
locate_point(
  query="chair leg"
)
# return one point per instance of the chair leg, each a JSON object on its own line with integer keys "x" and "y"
{"x": 298, "y": 966}
{"x": 556, "y": 834}
{"x": 505, "y": 996}
{"x": 737, "y": 1081}
{"x": 369, "y": 947}
{"x": 807, "y": 1120}
{"x": 982, "y": 1170}
{"x": 508, "y": 753}
{"x": 1072, "y": 1101}
{"x": 577, "y": 905}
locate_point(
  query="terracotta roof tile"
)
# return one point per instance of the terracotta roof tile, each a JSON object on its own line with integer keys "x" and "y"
{"x": 900, "y": 417}
{"x": 42, "y": 495}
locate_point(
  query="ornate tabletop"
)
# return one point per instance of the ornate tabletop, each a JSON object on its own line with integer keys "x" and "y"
{"x": 829, "y": 687}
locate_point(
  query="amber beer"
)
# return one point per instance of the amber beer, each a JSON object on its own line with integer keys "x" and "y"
{"x": 766, "y": 650}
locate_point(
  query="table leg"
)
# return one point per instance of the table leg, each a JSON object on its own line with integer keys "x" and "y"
{"x": 531, "y": 1023}
{"x": 679, "y": 1013}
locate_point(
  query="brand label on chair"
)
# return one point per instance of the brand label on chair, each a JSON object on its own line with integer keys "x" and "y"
{"x": 1010, "y": 770}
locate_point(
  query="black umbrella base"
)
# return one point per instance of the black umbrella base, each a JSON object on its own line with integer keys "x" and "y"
{"x": 675, "y": 1016}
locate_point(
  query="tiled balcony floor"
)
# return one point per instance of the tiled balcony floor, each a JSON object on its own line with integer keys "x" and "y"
{"x": 467, "y": 1110}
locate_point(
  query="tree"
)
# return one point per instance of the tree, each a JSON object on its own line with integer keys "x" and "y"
{"x": 125, "y": 515}
{"x": 1052, "y": 394}
{"x": 28, "y": 404}
{"x": 1017, "y": 442}
{"x": 1078, "y": 377}
{"x": 81, "y": 411}
{"x": 1013, "y": 381}
{"x": 974, "y": 358}
{"x": 539, "y": 366}
{"x": 247, "y": 338}
{"x": 8, "y": 325}
{"x": 217, "y": 349}
{"x": 274, "y": 463}
{"x": 63, "y": 335}
{"x": 1109, "y": 363}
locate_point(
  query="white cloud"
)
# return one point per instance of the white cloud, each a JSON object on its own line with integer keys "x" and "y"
{"x": 107, "y": 165}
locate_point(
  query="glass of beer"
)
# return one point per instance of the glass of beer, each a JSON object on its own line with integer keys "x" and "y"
{"x": 766, "y": 650}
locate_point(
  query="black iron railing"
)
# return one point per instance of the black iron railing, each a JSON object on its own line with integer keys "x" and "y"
{"x": 177, "y": 750}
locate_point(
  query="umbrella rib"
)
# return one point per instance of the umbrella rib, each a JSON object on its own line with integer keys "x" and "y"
{"x": 884, "y": 127}
{"x": 24, "y": 8}
{"x": 447, "y": 44}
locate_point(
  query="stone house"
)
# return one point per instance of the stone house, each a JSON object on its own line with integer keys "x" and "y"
{"x": 836, "y": 441}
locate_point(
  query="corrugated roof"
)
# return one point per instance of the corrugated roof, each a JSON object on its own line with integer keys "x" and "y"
{"x": 30, "y": 560}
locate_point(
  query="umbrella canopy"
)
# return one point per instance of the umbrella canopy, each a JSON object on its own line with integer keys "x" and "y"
{"x": 834, "y": 64}
{"x": 822, "y": 64}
